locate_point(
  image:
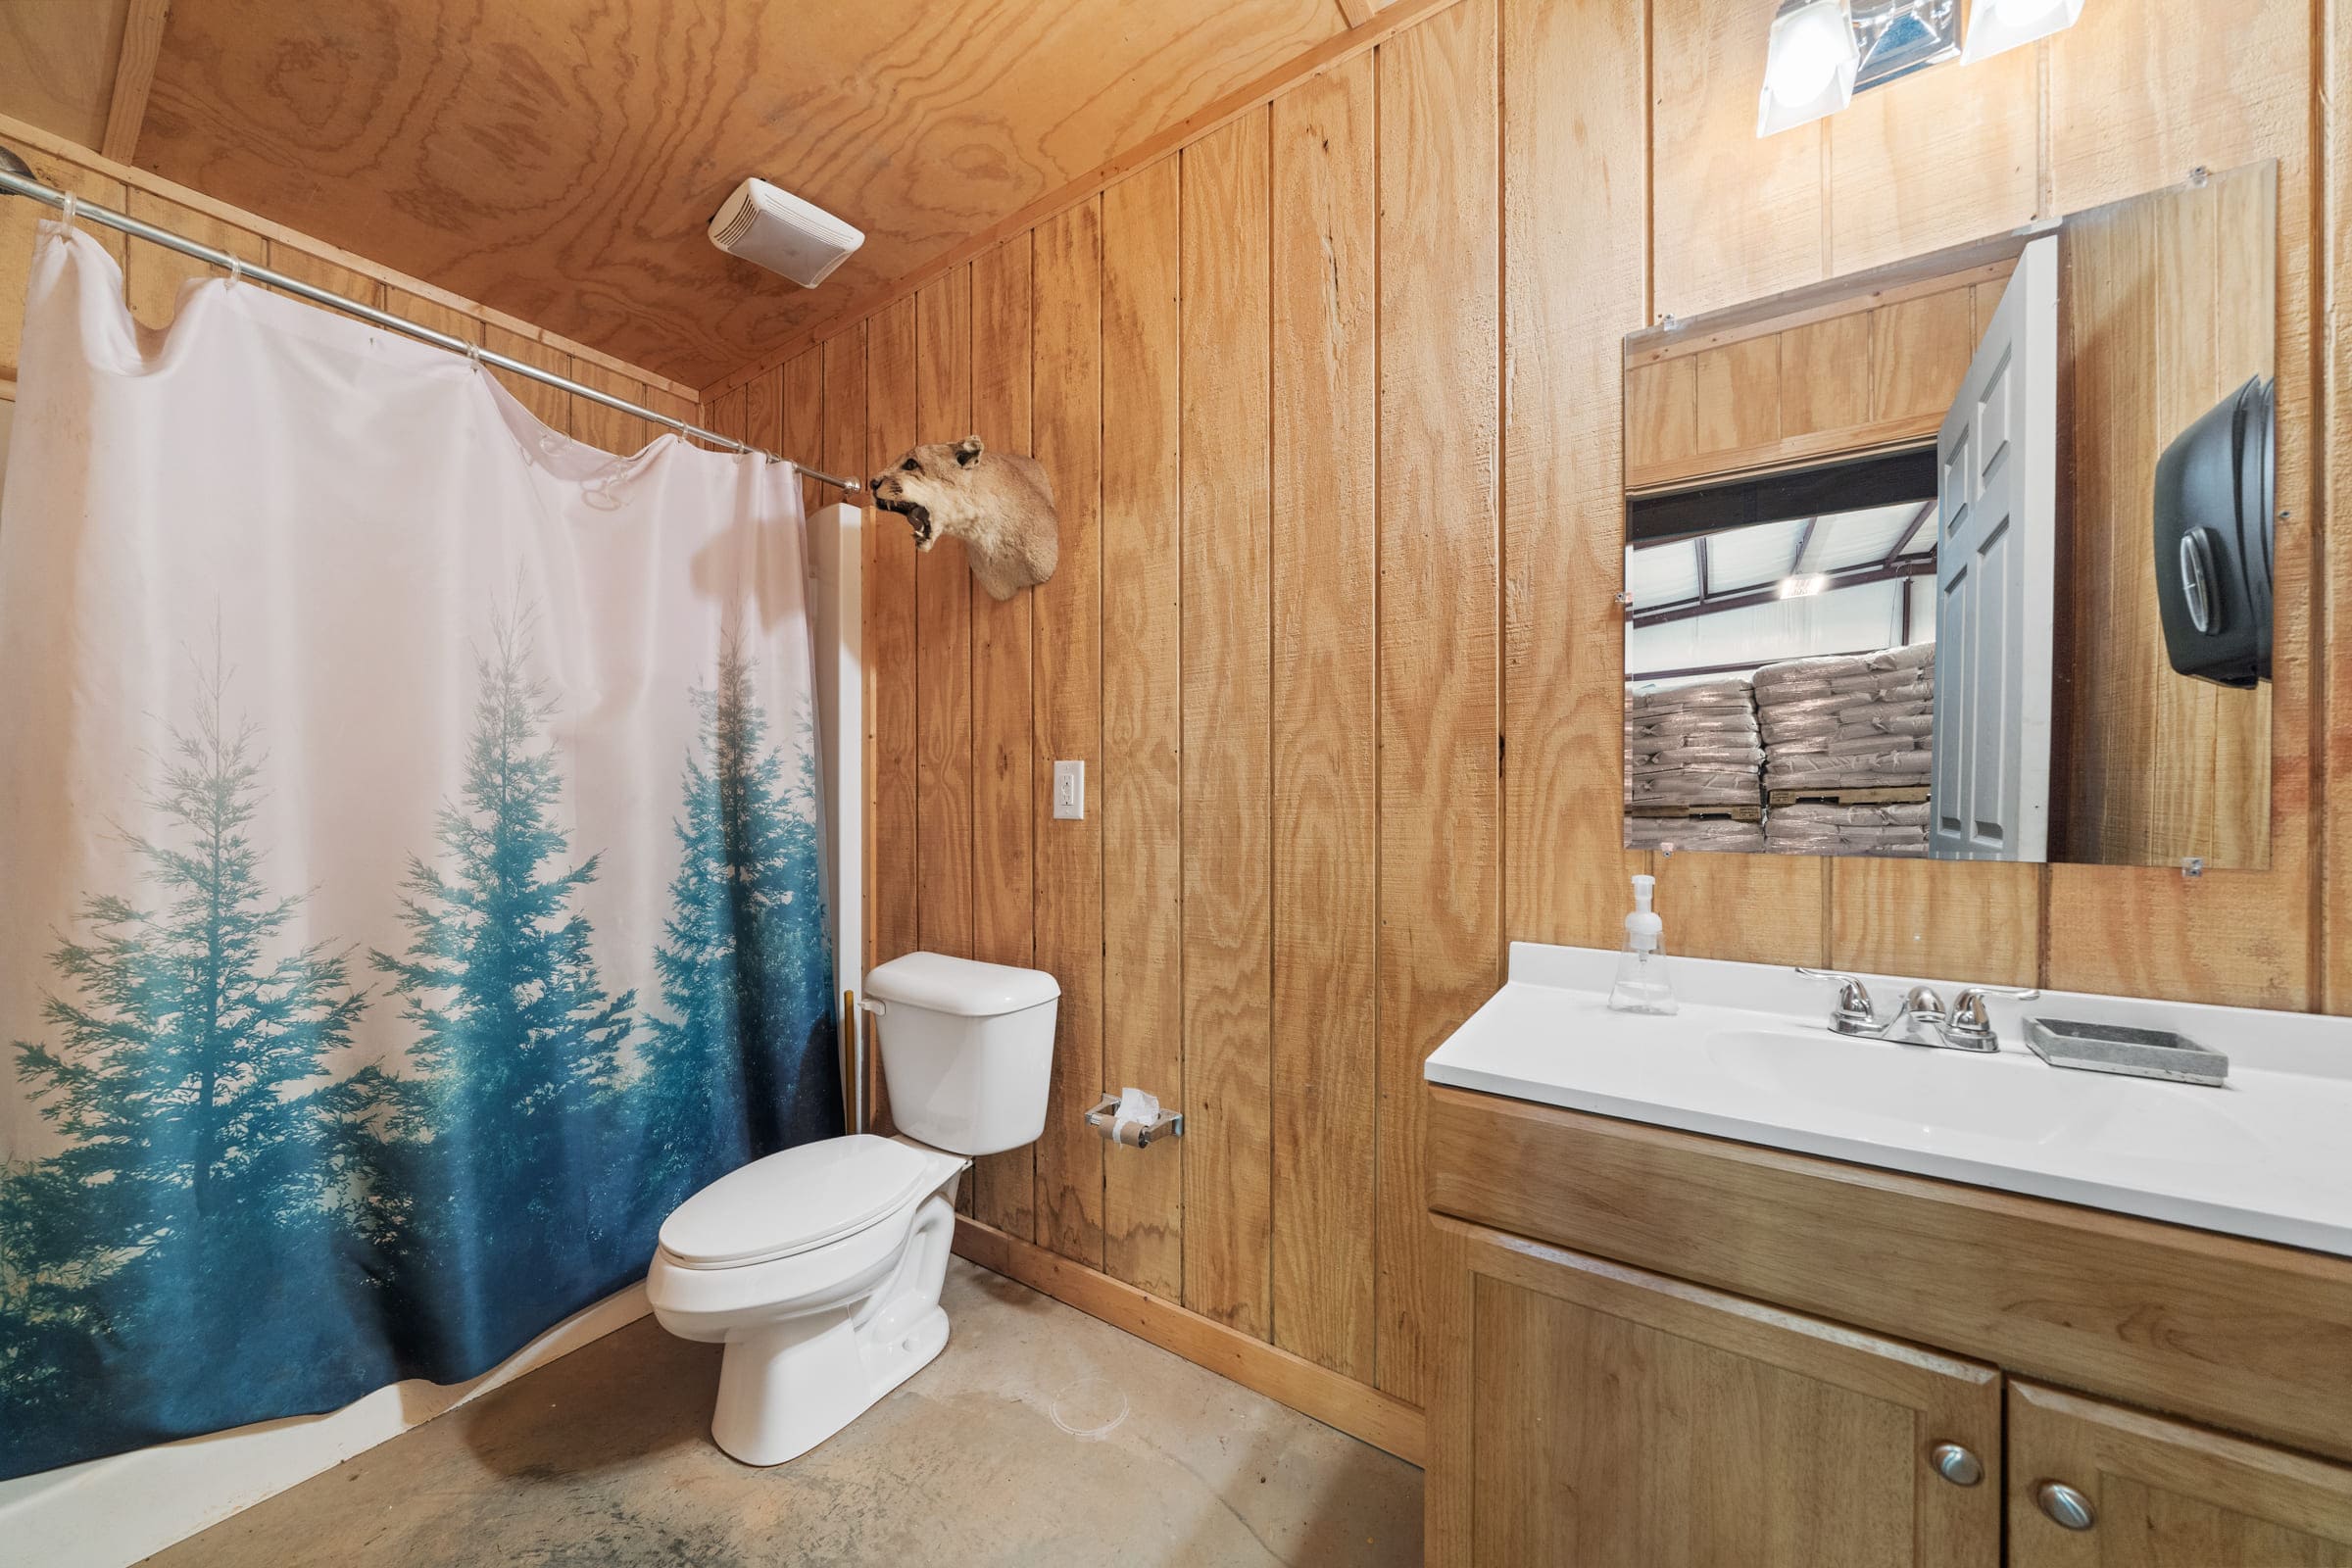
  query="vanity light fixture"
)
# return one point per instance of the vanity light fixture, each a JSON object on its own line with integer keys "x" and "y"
{"x": 1820, "y": 53}
{"x": 1997, "y": 25}
{"x": 1899, "y": 37}
{"x": 1809, "y": 64}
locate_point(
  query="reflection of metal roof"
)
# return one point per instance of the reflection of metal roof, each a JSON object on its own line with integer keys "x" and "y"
{"x": 1739, "y": 563}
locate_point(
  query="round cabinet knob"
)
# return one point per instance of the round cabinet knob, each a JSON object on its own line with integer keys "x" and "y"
{"x": 1956, "y": 1464}
{"x": 2064, "y": 1504}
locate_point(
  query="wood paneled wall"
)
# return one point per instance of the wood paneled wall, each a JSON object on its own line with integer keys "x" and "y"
{"x": 2168, "y": 305}
{"x": 1875, "y": 370}
{"x": 153, "y": 276}
{"x": 1330, "y": 397}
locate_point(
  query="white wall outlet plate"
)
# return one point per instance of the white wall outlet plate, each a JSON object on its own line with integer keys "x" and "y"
{"x": 1069, "y": 791}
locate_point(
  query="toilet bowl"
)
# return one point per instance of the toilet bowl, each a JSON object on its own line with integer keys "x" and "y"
{"x": 820, "y": 1269}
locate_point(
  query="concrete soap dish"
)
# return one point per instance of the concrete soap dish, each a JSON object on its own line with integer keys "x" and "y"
{"x": 2122, "y": 1049}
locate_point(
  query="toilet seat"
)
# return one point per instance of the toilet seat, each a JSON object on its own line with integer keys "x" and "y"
{"x": 796, "y": 1200}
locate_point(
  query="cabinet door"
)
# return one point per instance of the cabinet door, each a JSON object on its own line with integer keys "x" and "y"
{"x": 2161, "y": 1493}
{"x": 1591, "y": 1415}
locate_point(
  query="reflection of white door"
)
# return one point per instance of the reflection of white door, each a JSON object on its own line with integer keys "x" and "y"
{"x": 1995, "y": 569}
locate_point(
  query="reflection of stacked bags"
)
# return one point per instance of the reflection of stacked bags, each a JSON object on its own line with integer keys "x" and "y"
{"x": 1714, "y": 833}
{"x": 1853, "y": 722}
{"x": 1818, "y": 828}
{"x": 1693, "y": 746}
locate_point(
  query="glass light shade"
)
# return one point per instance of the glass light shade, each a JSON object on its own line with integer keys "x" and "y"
{"x": 1809, "y": 64}
{"x": 1994, "y": 25}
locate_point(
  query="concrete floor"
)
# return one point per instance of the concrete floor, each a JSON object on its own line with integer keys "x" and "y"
{"x": 1040, "y": 1437}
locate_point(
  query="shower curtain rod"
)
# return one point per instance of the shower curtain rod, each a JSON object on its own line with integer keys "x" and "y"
{"x": 17, "y": 178}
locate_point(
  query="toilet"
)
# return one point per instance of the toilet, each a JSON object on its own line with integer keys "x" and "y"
{"x": 819, "y": 1268}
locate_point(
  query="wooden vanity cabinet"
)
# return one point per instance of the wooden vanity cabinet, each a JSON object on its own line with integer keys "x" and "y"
{"x": 1613, "y": 1416}
{"x": 1654, "y": 1349}
{"x": 2162, "y": 1494}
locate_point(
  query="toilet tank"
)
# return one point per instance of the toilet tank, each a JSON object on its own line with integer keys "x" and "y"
{"x": 966, "y": 1049}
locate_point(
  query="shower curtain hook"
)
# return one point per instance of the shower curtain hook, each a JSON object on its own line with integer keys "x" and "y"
{"x": 236, "y": 272}
{"x": 473, "y": 352}
{"x": 68, "y": 209}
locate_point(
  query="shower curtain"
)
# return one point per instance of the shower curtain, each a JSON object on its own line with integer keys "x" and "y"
{"x": 412, "y": 885}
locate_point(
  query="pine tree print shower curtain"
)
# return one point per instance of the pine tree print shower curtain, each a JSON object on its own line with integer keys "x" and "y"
{"x": 410, "y": 887}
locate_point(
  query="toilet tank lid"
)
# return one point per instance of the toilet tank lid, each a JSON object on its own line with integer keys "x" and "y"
{"x": 959, "y": 986}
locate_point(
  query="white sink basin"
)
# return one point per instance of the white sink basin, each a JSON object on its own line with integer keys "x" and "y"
{"x": 1936, "y": 1098}
{"x": 2267, "y": 1156}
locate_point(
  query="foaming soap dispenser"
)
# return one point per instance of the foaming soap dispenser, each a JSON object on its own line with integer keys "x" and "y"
{"x": 1642, "y": 983}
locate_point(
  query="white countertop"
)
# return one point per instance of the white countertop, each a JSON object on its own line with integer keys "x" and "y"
{"x": 2269, "y": 1155}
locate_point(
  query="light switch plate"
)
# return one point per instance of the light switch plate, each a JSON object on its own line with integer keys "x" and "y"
{"x": 1069, "y": 791}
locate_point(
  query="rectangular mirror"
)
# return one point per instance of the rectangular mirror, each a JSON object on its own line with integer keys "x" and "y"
{"x": 1967, "y": 559}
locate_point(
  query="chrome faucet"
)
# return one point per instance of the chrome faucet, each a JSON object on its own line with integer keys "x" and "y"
{"x": 1922, "y": 1020}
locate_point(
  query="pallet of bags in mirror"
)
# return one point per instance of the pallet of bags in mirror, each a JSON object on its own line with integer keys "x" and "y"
{"x": 1848, "y": 742}
{"x": 1693, "y": 768}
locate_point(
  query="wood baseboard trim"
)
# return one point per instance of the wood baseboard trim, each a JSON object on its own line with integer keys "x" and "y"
{"x": 1381, "y": 1419}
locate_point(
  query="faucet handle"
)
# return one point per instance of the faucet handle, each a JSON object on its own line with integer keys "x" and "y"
{"x": 1853, "y": 1012}
{"x": 1972, "y": 1019}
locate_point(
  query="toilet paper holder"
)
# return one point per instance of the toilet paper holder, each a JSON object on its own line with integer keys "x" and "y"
{"x": 1103, "y": 1118}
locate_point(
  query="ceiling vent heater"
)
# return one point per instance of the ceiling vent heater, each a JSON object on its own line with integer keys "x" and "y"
{"x": 783, "y": 233}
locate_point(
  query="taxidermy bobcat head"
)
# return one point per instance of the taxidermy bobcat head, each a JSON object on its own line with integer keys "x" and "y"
{"x": 1001, "y": 506}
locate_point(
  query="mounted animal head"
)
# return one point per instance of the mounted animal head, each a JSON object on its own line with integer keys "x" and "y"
{"x": 1001, "y": 506}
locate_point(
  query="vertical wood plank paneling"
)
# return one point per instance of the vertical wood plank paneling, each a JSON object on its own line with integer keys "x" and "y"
{"x": 764, "y": 414}
{"x": 671, "y": 405}
{"x": 2171, "y": 307}
{"x": 320, "y": 272}
{"x": 942, "y": 644}
{"x": 552, "y": 406}
{"x": 889, "y": 647}
{"x": 841, "y": 398}
{"x": 942, "y": 633}
{"x": 2135, "y": 106}
{"x": 1751, "y": 908}
{"x": 1573, "y": 273}
{"x": 847, "y": 437}
{"x": 153, "y": 276}
{"x": 1934, "y": 160}
{"x": 1825, "y": 374}
{"x": 2141, "y": 94}
{"x": 725, "y": 413}
{"x": 1325, "y": 561}
{"x": 1143, "y": 734}
{"x": 607, "y": 429}
{"x": 1441, "y": 939}
{"x": 2332, "y": 412}
{"x": 1661, "y": 414}
{"x": 1067, "y": 612}
{"x": 1228, "y": 981}
{"x": 1974, "y": 921}
{"x": 1918, "y": 353}
{"x": 799, "y": 392}
{"x": 1738, "y": 390}
{"x": 1738, "y": 217}
{"x": 1004, "y": 825}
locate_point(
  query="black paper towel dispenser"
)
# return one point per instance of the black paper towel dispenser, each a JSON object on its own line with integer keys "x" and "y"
{"x": 2216, "y": 495}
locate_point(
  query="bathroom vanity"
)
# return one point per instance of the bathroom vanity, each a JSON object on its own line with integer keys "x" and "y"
{"x": 1730, "y": 1288}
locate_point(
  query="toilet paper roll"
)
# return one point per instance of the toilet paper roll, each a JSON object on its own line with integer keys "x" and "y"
{"x": 1139, "y": 1108}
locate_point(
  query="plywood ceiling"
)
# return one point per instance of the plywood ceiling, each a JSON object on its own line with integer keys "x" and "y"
{"x": 559, "y": 159}
{"x": 57, "y": 63}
